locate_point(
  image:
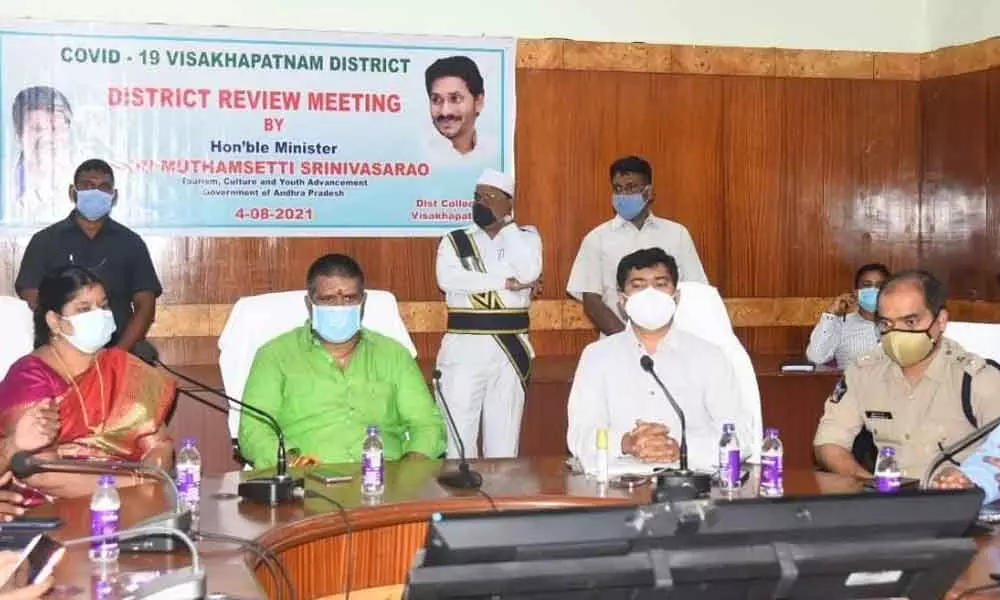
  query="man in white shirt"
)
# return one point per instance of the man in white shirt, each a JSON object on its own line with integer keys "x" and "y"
{"x": 612, "y": 391}
{"x": 488, "y": 273}
{"x": 592, "y": 278}
{"x": 847, "y": 329}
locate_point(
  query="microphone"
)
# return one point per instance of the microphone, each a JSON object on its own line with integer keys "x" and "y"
{"x": 464, "y": 478}
{"x": 265, "y": 490}
{"x": 677, "y": 484}
{"x": 180, "y": 584}
{"x": 25, "y": 464}
{"x": 948, "y": 454}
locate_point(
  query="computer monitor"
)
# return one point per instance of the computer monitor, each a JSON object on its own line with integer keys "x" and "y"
{"x": 855, "y": 546}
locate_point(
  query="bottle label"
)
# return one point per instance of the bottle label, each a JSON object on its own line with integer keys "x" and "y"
{"x": 104, "y": 522}
{"x": 189, "y": 484}
{"x": 729, "y": 467}
{"x": 371, "y": 469}
{"x": 771, "y": 468}
{"x": 733, "y": 467}
{"x": 888, "y": 482}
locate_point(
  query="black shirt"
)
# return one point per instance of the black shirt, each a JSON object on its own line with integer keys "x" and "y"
{"x": 116, "y": 254}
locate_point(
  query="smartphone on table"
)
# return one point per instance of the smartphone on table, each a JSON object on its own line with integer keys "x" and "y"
{"x": 330, "y": 474}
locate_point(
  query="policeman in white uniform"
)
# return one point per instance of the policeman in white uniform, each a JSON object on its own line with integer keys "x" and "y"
{"x": 488, "y": 273}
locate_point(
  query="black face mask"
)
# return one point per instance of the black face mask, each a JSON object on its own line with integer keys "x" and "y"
{"x": 482, "y": 215}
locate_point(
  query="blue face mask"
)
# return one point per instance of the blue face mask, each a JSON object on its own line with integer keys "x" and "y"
{"x": 94, "y": 205}
{"x": 868, "y": 298}
{"x": 628, "y": 206}
{"x": 336, "y": 324}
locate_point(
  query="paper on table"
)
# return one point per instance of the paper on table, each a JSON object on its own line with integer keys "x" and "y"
{"x": 622, "y": 465}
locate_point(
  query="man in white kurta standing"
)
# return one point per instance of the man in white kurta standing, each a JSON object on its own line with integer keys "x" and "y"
{"x": 488, "y": 272}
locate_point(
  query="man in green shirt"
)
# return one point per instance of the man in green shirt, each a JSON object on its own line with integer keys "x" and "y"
{"x": 328, "y": 380}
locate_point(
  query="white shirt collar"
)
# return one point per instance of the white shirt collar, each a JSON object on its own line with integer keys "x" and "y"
{"x": 635, "y": 343}
{"x": 618, "y": 222}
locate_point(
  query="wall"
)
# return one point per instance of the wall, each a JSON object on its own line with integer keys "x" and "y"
{"x": 953, "y": 22}
{"x": 961, "y": 181}
{"x": 789, "y": 167}
{"x": 787, "y": 184}
{"x": 890, "y": 25}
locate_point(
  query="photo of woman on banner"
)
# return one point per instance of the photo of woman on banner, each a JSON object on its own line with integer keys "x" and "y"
{"x": 41, "y": 117}
{"x": 456, "y": 93}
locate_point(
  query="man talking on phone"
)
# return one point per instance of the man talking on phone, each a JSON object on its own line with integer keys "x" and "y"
{"x": 847, "y": 329}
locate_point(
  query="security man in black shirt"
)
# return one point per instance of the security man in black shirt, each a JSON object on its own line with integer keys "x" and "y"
{"x": 89, "y": 238}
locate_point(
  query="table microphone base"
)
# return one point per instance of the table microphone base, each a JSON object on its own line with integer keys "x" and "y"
{"x": 677, "y": 484}
{"x": 462, "y": 479}
{"x": 182, "y": 584}
{"x": 159, "y": 543}
{"x": 270, "y": 490}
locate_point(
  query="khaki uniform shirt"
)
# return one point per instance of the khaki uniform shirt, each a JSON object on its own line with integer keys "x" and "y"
{"x": 912, "y": 417}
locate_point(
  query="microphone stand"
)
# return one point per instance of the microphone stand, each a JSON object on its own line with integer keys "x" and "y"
{"x": 180, "y": 584}
{"x": 464, "y": 478}
{"x": 263, "y": 490}
{"x": 178, "y": 519}
{"x": 683, "y": 483}
{"x": 948, "y": 453}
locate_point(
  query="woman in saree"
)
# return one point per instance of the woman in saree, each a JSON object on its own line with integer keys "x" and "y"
{"x": 111, "y": 405}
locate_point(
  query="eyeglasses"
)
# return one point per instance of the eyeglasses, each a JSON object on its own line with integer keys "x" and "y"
{"x": 481, "y": 197}
{"x": 632, "y": 188}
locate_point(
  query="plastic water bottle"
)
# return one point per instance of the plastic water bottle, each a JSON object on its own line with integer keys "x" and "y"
{"x": 105, "y": 509}
{"x": 729, "y": 458}
{"x": 189, "y": 475}
{"x": 887, "y": 473}
{"x": 372, "y": 464}
{"x": 772, "y": 464}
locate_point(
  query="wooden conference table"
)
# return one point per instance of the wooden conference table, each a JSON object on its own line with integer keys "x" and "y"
{"x": 310, "y": 537}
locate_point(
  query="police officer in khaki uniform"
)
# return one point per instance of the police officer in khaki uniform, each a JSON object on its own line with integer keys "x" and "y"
{"x": 908, "y": 391}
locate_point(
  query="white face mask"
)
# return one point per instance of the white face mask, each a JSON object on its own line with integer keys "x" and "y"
{"x": 650, "y": 308}
{"x": 91, "y": 330}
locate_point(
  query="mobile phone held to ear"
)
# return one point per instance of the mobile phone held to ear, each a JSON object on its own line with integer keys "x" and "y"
{"x": 329, "y": 475}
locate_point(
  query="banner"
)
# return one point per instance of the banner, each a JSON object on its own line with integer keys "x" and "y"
{"x": 217, "y": 131}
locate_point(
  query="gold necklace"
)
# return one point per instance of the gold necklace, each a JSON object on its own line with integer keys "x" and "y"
{"x": 79, "y": 394}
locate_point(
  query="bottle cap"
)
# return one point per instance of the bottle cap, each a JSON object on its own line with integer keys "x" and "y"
{"x": 602, "y": 439}
{"x": 729, "y": 427}
{"x": 189, "y": 442}
{"x": 106, "y": 481}
{"x": 373, "y": 429}
{"x": 771, "y": 432}
{"x": 888, "y": 452}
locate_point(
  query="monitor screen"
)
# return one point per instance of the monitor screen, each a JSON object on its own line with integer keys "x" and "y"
{"x": 854, "y": 544}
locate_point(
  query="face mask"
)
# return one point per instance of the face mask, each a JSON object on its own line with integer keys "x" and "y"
{"x": 650, "y": 308}
{"x": 336, "y": 324}
{"x": 93, "y": 204}
{"x": 628, "y": 206}
{"x": 907, "y": 348}
{"x": 482, "y": 215}
{"x": 91, "y": 330}
{"x": 868, "y": 298}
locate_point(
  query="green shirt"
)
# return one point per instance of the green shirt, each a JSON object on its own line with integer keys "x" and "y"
{"x": 324, "y": 411}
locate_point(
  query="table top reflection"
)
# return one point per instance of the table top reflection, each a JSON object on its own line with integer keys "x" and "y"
{"x": 412, "y": 495}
